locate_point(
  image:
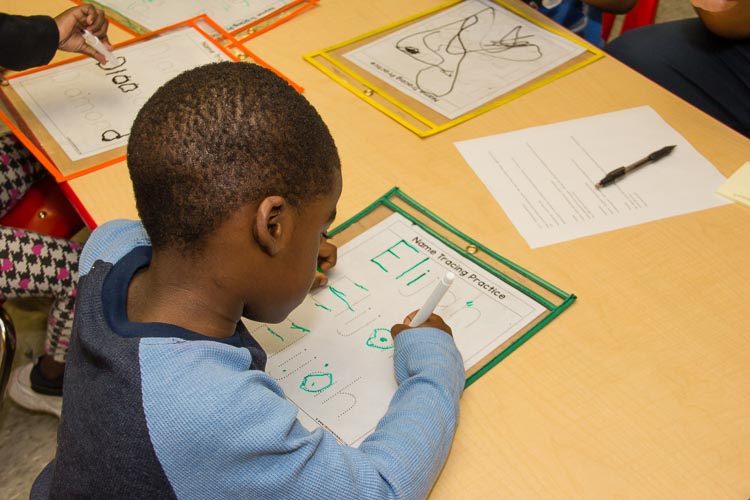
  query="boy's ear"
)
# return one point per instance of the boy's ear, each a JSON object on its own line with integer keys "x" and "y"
{"x": 272, "y": 224}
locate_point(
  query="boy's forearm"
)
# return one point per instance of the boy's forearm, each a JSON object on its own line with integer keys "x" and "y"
{"x": 612, "y": 6}
{"x": 422, "y": 416}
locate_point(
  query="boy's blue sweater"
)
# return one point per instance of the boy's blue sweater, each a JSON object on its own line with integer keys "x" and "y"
{"x": 154, "y": 410}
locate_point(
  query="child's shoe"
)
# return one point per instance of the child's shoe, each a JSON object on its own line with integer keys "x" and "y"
{"x": 29, "y": 389}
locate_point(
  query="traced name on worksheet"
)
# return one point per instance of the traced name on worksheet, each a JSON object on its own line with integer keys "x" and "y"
{"x": 333, "y": 356}
{"x": 88, "y": 108}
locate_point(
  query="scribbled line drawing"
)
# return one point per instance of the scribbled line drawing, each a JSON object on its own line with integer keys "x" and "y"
{"x": 379, "y": 340}
{"x": 443, "y": 49}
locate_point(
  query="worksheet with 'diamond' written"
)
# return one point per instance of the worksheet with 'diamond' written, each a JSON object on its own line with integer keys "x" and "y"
{"x": 544, "y": 177}
{"x": 333, "y": 356}
{"x": 88, "y": 108}
{"x": 230, "y": 14}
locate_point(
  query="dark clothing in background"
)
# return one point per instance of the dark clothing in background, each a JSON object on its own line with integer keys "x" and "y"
{"x": 26, "y": 42}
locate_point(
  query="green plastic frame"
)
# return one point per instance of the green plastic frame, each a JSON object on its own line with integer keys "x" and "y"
{"x": 553, "y": 306}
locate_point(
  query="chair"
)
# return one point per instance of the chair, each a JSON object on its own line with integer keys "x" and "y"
{"x": 642, "y": 14}
{"x": 45, "y": 209}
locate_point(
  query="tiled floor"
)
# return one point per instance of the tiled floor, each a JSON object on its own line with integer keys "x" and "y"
{"x": 27, "y": 440}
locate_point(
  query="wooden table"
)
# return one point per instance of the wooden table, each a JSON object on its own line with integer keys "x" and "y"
{"x": 642, "y": 388}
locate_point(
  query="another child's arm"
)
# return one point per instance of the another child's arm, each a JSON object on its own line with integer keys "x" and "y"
{"x": 72, "y": 21}
{"x": 32, "y": 41}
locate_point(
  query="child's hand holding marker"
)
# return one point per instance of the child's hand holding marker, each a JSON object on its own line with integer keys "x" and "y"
{"x": 425, "y": 317}
{"x": 326, "y": 260}
{"x": 433, "y": 321}
{"x": 98, "y": 46}
{"x": 73, "y": 23}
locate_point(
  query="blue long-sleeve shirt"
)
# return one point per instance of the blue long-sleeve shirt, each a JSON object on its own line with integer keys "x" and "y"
{"x": 154, "y": 410}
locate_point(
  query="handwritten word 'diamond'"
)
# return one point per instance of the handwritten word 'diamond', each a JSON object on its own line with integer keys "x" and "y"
{"x": 125, "y": 84}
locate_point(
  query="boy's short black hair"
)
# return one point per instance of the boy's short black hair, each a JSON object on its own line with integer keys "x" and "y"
{"x": 218, "y": 137}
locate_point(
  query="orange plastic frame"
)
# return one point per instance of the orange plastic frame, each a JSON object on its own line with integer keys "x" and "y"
{"x": 235, "y": 51}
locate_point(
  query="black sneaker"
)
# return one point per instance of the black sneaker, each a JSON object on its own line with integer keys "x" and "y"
{"x": 42, "y": 385}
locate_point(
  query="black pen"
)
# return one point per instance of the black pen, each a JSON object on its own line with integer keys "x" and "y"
{"x": 620, "y": 172}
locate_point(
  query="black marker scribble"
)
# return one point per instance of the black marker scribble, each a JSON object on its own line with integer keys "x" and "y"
{"x": 444, "y": 48}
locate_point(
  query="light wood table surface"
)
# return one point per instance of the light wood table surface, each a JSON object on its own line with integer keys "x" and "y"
{"x": 642, "y": 388}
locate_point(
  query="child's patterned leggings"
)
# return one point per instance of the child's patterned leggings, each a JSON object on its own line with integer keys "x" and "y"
{"x": 31, "y": 264}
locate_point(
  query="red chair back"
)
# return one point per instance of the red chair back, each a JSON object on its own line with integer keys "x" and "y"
{"x": 45, "y": 209}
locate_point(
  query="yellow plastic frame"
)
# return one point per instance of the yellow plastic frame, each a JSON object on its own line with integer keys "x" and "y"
{"x": 368, "y": 89}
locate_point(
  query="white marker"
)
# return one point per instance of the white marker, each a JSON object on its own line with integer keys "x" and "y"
{"x": 432, "y": 301}
{"x": 98, "y": 46}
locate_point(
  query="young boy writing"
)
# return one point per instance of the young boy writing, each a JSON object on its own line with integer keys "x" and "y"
{"x": 236, "y": 180}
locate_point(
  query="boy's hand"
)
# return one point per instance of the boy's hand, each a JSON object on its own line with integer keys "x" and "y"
{"x": 434, "y": 321}
{"x": 326, "y": 260}
{"x": 72, "y": 21}
{"x": 3, "y": 81}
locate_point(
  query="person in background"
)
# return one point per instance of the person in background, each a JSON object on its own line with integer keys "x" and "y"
{"x": 704, "y": 60}
{"x": 31, "y": 264}
{"x": 582, "y": 17}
